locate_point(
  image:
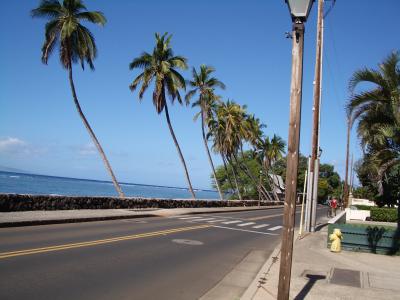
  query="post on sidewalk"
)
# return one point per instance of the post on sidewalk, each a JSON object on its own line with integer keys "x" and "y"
{"x": 316, "y": 114}
{"x": 299, "y": 11}
{"x": 292, "y": 163}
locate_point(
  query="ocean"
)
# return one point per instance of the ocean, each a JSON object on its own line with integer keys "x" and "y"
{"x": 21, "y": 183}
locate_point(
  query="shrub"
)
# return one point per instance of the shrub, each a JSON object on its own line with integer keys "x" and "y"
{"x": 363, "y": 207}
{"x": 384, "y": 214}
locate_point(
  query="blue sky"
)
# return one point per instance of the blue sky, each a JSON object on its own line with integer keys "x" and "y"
{"x": 40, "y": 130}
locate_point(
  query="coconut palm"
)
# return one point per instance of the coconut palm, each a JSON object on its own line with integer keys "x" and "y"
{"x": 76, "y": 45}
{"x": 161, "y": 67}
{"x": 219, "y": 129}
{"x": 236, "y": 130}
{"x": 203, "y": 84}
{"x": 377, "y": 111}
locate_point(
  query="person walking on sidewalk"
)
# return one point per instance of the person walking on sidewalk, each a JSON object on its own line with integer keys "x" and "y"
{"x": 333, "y": 205}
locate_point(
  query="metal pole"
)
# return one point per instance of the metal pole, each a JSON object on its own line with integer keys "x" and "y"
{"x": 315, "y": 197}
{"x": 346, "y": 182}
{"x": 302, "y": 203}
{"x": 292, "y": 162}
{"x": 309, "y": 193}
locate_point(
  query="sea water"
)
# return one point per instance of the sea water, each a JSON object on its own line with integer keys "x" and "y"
{"x": 21, "y": 183}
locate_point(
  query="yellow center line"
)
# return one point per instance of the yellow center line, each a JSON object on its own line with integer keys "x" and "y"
{"x": 97, "y": 242}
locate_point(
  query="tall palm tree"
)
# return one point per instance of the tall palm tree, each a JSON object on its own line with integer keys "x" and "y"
{"x": 76, "y": 44}
{"x": 160, "y": 66}
{"x": 203, "y": 84}
{"x": 377, "y": 111}
{"x": 219, "y": 127}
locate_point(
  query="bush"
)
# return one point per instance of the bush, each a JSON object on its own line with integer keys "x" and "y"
{"x": 384, "y": 214}
{"x": 363, "y": 207}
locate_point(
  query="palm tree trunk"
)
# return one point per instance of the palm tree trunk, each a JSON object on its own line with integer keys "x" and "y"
{"x": 227, "y": 174}
{"x": 209, "y": 156}
{"x": 235, "y": 178}
{"x": 247, "y": 171}
{"x": 179, "y": 151}
{"x": 92, "y": 135}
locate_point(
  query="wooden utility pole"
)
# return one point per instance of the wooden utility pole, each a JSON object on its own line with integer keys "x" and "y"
{"x": 316, "y": 117}
{"x": 292, "y": 162}
{"x": 346, "y": 183}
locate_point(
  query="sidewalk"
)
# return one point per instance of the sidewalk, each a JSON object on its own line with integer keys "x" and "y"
{"x": 318, "y": 273}
{"x": 40, "y": 217}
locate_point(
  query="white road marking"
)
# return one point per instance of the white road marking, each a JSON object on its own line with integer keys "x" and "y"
{"x": 215, "y": 221}
{"x": 188, "y": 218}
{"x": 232, "y": 222}
{"x": 204, "y": 219}
{"x": 246, "y": 224}
{"x": 260, "y": 226}
{"x": 244, "y": 230}
{"x": 275, "y": 228}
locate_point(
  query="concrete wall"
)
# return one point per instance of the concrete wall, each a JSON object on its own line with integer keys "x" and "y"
{"x": 355, "y": 214}
{"x": 18, "y": 202}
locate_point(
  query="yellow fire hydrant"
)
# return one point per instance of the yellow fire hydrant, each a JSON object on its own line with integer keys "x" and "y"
{"x": 336, "y": 238}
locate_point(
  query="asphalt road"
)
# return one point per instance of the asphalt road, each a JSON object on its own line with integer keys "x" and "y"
{"x": 153, "y": 258}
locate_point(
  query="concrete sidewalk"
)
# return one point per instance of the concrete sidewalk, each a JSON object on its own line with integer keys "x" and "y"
{"x": 39, "y": 217}
{"x": 318, "y": 273}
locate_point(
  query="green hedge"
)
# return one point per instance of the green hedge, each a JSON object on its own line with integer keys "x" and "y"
{"x": 384, "y": 214}
{"x": 363, "y": 207}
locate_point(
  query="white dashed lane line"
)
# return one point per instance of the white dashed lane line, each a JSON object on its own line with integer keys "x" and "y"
{"x": 246, "y": 224}
{"x": 226, "y": 221}
{"x": 232, "y": 222}
{"x": 275, "y": 228}
{"x": 260, "y": 226}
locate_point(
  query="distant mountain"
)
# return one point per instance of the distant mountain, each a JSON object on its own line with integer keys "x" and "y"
{"x": 15, "y": 170}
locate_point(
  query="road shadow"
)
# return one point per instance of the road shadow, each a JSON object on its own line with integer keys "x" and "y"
{"x": 320, "y": 226}
{"x": 312, "y": 279}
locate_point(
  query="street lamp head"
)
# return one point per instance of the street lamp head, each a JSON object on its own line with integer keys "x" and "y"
{"x": 299, "y": 9}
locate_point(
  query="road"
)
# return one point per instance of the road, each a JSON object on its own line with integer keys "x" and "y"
{"x": 181, "y": 257}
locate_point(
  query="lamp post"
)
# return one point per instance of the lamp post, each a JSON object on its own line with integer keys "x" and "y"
{"x": 299, "y": 10}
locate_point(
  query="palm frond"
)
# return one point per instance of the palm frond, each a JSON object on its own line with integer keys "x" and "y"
{"x": 96, "y": 17}
{"x": 143, "y": 61}
{"x": 48, "y": 9}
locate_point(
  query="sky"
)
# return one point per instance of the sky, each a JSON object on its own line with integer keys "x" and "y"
{"x": 40, "y": 130}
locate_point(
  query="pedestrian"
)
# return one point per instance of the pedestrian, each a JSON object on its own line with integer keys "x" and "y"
{"x": 333, "y": 205}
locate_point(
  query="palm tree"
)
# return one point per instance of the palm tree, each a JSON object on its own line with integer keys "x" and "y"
{"x": 218, "y": 129}
{"x": 377, "y": 111}
{"x": 76, "y": 44}
{"x": 160, "y": 66}
{"x": 203, "y": 84}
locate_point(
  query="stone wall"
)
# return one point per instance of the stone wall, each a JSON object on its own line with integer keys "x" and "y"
{"x": 18, "y": 202}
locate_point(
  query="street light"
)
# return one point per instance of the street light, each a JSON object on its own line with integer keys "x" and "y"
{"x": 299, "y": 10}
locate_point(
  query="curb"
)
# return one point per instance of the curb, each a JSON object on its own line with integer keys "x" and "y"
{"x": 260, "y": 278}
{"x": 65, "y": 221}
{"x": 261, "y": 275}
{"x": 121, "y": 217}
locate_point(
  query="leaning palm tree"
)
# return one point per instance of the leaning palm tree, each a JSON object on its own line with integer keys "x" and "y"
{"x": 203, "y": 84}
{"x": 377, "y": 111}
{"x": 76, "y": 44}
{"x": 160, "y": 66}
{"x": 219, "y": 126}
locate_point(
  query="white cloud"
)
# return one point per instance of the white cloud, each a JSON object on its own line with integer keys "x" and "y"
{"x": 88, "y": 149}
{"x": 13, "y": 145}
